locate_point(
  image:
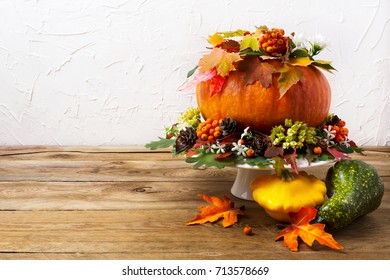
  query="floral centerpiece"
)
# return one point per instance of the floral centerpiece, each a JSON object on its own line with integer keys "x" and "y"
{"x": 262, "y": 101}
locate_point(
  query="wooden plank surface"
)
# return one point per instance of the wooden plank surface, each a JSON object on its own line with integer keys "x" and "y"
{"x": 131, "y": 203}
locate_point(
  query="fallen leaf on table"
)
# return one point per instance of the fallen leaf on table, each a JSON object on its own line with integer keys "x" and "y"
{"x": 223, "y": 208}
{"x": 307, "y": 232}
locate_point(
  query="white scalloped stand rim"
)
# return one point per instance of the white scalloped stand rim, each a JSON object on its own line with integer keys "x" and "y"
{"x": 247, "y": 173}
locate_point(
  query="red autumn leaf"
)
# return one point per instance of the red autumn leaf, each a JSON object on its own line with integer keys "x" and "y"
{"x": 199, "y": 77}
{"x": 222, "y": 208}
{"x": 216, "y": 84}
{"x": 292, "y": 160}
{"x": 337, "y": 154}
{"x": 223, "y": 155}
{"x": 257, "y": 71}
{"x": 307, "y": 232}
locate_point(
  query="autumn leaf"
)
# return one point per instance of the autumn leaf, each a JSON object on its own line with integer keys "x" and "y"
{"x": 216, "y": 39}
{"x": 216, "y": 84}
{"x": 222, "y": 208}
{"x": 230, "y": 46}
{"x": 219, "y": 59}
{"x": 289, "y": 76}
{"x": 250, "y": 42}
{"x": 199, "y": 77}
{"x": 307, "y": 232}
{"x": 326, "y": 65}
{"x": 257, "y": 71}
{"x": 337, "y": 154}
{"x": 291, "y": 158}
{"x": 300, "y": 61}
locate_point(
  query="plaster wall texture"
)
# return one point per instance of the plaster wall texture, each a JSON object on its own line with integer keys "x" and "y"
{"x": 99, "y": 72}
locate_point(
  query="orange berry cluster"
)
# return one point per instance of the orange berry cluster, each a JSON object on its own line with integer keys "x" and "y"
{"x": 273, "y": 41}
{"x": 209, "y": 130}
{"x": 341, "y": 132}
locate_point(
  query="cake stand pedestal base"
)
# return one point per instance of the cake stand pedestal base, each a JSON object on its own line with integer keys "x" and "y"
{"x": 241, "y": 187}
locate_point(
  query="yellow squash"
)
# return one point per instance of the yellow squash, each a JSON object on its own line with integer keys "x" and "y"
{"x": 279, "y": 197}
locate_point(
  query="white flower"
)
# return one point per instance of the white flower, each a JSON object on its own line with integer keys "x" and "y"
{"x": 246, "y": 133}
{"x": 208, "y": 148}
{"x": 346, "y": 143}
{"x": 300, "y": 42}
{"x": 239, "y": 149}
{"x": 330, "y": 135}
{"x": 220, "y": 149}
{"x": 319, "y": 40}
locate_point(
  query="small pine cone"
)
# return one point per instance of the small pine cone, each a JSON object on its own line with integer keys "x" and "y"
{"x": 228, "y": 126}
{"x": 185, "y": 140}
{"x": 334, "y": 120}
{"x": 260, "y": 143}
{"x": 322, "y": 144}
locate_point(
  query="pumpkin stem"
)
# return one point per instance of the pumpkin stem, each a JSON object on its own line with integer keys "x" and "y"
{"x": 286, "y": 175}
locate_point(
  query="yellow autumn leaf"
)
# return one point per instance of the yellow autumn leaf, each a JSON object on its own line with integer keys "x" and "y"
{"x": 219, "y": 59}
{"x": 216, "y": 39}
{"x": 300, "y": 61}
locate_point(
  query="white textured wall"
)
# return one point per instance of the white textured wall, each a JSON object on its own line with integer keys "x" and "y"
{"x": 100, "y": 72}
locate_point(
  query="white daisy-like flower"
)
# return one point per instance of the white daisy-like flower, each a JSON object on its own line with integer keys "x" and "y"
{"x": 239, "y": 149}
{"x": 320, "y": 41}
{"x": 346, "y": 143}
{"x": 218, "y": 148}
{"x": 300, "y": 41}
{"x": 330, "y": 135}
{"x": 208, "y": 148}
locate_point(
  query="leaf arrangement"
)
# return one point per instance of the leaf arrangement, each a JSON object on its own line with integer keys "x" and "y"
{"x": 300, "y": 226}
{"x": 283, "y": 147}
{"x": 255, "y": 54}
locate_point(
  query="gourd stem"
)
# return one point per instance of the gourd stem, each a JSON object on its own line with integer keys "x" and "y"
{"x": 286, "y": 175}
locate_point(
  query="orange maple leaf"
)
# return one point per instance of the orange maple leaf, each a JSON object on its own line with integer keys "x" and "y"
{"x": 219, "y": 59}
{"x": 307, "y": 232}
{"x": 222, "y": 208}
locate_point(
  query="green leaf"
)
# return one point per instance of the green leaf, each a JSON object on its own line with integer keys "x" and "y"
{"x": 160, "y": 144}
{"x": 249, "y": 52}
{"x": 230, "y": 34}
{"x": 250, "y": 42}
{"x": 278, "y": 165}
{"x": 326, "y": 65}
{"x": 299, "y": 53}
{"x": 191, "y": 72}
{"x": 208, "y": 160}
{"x": 258, "y": 161}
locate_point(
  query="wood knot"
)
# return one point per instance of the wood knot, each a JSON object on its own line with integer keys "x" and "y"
{"x": 141, "y": 189}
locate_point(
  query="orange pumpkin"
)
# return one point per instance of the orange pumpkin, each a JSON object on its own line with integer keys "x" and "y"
{"x": 262, "y": 108}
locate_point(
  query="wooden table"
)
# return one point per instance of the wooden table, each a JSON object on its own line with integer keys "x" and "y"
{"x": 131, "y": 203}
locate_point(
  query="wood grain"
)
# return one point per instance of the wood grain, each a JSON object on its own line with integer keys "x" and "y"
{"x": 131, "y": 203}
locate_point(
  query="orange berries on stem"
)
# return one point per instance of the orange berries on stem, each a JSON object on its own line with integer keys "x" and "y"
{"x": 209, "y": 130}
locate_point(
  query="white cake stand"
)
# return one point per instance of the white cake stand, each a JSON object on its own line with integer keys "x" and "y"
{"x": 247, "y": 173}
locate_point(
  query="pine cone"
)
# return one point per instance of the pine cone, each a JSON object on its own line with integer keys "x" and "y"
{"x": 260, "y": 143}
{"x": 228, "y": 126}
{"x": 334, "y": 120}
{"x": 322, "y": 144}
{"x": 185, "y": 140}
